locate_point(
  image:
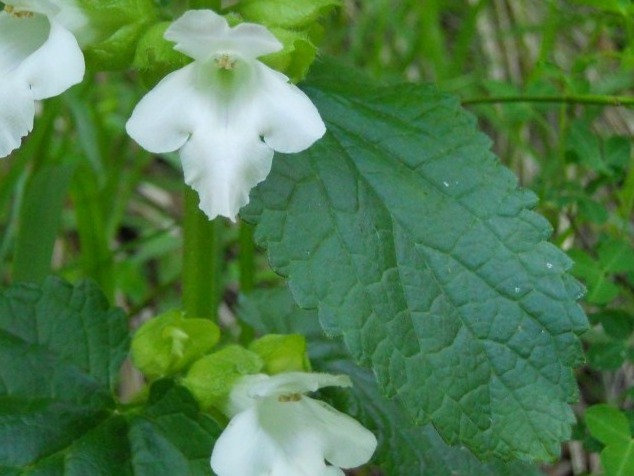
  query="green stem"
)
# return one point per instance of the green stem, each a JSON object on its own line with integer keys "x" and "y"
{"x": 247, "y": 258}
{"x": 202, "y": 261}
{"x": 590, "y": 99}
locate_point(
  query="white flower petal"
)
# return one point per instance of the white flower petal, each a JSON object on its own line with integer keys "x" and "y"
{"x": 273, "y": 439}
{"x": 19, "y": 38}
{"x": 202, "y": 34}
{"x": 38, "y": 59}
{"x": 16, "y": 115}
{"x": 167, "y": 115}
{"x": 56, "y": 66}
{"x": 280, "y": 432}
{"x": 290, "y": 122}
{"x": 346, "y": 443}
{"x": 222, "y": 166}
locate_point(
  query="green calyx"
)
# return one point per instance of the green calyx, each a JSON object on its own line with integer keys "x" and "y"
{"x": 170, "y": 343}
{"x": 282, "y": 353}
{"x": 211, "y": 378}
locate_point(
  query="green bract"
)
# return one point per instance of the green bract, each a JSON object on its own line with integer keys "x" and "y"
{"x": 298, "y": 53}
{"x": 282, "y": 353}
{"x": 117, "y": 26}
{"x": 170, "y": 342}
{"x": 294, "y": 23}
{"x": 291, "y": 14}
{"x": 155, "y": 57}
{"x": 211, "y": 378}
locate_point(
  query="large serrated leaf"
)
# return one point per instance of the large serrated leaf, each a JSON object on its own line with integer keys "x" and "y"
{"x": 61, "y": 348}
{"x": 415, "y": 244}
{"x": 404, "y": 448}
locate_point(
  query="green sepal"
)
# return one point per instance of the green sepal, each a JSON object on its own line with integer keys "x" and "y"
{"x": 282, "y": 353}
{"x": 211, "y": 378}
{"x": 115, "y": 28}
{"x": 170, "y": 342}
{"x": 290, "y": 14}
{"x": 155, "y": 57}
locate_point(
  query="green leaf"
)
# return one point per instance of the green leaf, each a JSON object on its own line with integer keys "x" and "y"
{"x": 617, "y": 324}
{"x": 607, "y": 424}
{"x": 616, "y": 256}
{"x": 416, "y": 245}
{"x": 40, "y": 217}
{"x": 607, "y": 355}
{"x": 75, "y": 325}
{"x": 171, "y": 436}
{"x": 61, "y": 348}
{"x": 618, "y": 459}
{"x": 403, "y": 448}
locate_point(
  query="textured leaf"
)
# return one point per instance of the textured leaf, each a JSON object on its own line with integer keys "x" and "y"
{"x": 69, "y": 328}
{"x": 61, "y": 348}
{"x": 404, "y": 448}
{"x": 415, "y": 244}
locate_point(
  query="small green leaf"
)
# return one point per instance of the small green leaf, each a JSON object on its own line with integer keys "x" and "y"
{"x": 616, "y": 256}
{"x": 618, "y": 459}
{"x": 601, "y": 289}
{"x": 617, "y": 324}
{"x": 607, "y": 355}
{"x": 608, "y": 425}
{"x": 586, "y": 148}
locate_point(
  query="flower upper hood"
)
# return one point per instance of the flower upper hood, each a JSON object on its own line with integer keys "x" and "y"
{"x": 226, "y": 111}
{"x": 39, "y": 58}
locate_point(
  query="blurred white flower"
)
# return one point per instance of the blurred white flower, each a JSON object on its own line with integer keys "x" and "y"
{"x": 278, "y": 431}
{"x": 39, "y": 58}
{"x": 226, "y": 111}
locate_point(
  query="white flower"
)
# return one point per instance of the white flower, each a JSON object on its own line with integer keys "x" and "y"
{"x": 226, "y": 111}
{"x": 276, "y": 430}
{"x": 39, "y": 58}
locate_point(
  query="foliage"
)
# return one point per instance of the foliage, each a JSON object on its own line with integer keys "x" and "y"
{"x": 419, "y": 254}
